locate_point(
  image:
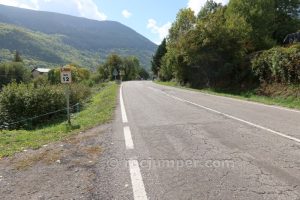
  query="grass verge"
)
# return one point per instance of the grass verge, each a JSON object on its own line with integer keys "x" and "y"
{"x": 98, "y": 111}
{"x": 288, "y": 102}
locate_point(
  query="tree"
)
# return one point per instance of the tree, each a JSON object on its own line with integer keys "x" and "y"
{"x": 208, "y": 53}
{"x": 143, "y": 74}
{"x": 114, "y": 62}
{"x": 17, "y": 57}
{"x": 103, "y": 73}
{"x": 288, "y": 7}
{"x": 176, "y": 66}
{"x": 286, "y": 18}
{"x": 215, "y": 49}
{"x": 13, "y": 71}
{"x": 260, "y": 16}
{"x": 157, "y": 58}
{"x": 210, "y": 50}
{"x": 209, "y": 7}
{"x": 130, "y": 66}
{"x": 185, "y": 21}
{"x": 167, "y": 71}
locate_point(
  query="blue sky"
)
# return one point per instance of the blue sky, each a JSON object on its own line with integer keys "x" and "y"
{"x": 151, "y": 18}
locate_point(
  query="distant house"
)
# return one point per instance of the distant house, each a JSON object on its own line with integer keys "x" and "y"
{"x": 39, "y": 71}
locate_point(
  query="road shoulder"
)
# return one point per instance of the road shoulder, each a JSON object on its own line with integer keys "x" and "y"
{"x": 70, "y": 169}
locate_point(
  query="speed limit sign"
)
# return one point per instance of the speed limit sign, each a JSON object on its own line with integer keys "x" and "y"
{"x": 65, "y": 75}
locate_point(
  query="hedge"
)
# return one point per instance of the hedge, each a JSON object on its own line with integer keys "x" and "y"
{"x": 23, "y": 101}
{"x": 278, "y": 65}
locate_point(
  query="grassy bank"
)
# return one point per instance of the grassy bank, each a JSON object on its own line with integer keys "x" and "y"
{"x": 98, "y": 111}
{"x": 289, "y": 102}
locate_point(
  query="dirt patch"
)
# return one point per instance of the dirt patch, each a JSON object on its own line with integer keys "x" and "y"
{"x": 62, "y": 170}
{"x": 47, "y": 157}
{"x": 93, "y": 151}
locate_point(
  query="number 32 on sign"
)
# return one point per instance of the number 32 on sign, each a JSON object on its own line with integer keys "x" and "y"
{"x": 65, "y": 75}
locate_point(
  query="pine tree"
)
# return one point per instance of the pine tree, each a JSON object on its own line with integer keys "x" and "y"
{"x": 156, "y": 60}
{"x": 17, "y": 57}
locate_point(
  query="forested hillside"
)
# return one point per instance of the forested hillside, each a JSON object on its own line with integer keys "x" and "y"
{"x": 50, "y": 38}
{"x": 39, "y": 49}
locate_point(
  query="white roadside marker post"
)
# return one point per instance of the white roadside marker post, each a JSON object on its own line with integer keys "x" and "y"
{"x": 66, "y": 78}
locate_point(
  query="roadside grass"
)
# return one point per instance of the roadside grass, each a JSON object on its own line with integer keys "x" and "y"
{"x": 288, "y": 102}
{"x": 99, "y": 110}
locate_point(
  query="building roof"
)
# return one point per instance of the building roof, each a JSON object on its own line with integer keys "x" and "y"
{"x": 42, "y": 70}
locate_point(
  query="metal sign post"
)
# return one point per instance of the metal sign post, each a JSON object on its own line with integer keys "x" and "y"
{"x": 115, "y": 73}
{"x": 68, "y": 104}
{"x": 122, "y": 73}
{"x": 66, "y": 78}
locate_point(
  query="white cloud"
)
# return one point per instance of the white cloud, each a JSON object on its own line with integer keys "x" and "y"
{"x": 32, "y": 4}
{"x": 126, "y": 14}
{"x": 82, "y": 8}
{"x": 88, "y": 9}
{"x": 196, "y": 5}
{"x": 162, "y": 31}
{"x": 35, "y": 3}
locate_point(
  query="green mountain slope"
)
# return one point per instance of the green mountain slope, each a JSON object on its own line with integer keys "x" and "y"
{"x": 39, "y": 49}
{"x": 46, "y": 38}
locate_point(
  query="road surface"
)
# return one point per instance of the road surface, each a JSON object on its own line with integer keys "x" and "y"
{"x": 171, "y": 143}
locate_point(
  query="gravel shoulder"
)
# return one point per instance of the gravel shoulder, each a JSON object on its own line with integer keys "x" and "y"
{"x": 70, "y": 169}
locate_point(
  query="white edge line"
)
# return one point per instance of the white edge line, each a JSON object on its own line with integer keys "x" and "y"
{"x": 235, "y": 99}
{"x": 139, "y": 192}
{"x": 128, "y": 138}
{"x": 252, "y": 102}
{"x": 235, "y": 118}
{"x": 123, "y": 111}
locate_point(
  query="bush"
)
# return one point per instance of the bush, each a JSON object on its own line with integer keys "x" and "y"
{"x": 278, "y": 65}
{"x": 78, "y": 74}
{"x": 79, "y": 93}
{"x": 23, "y": 101}
{"x": 96, "y": 78}
{"x": 89, "y": 82}
{"x": 40, "y": 81}
{"x": 13, "y": 71}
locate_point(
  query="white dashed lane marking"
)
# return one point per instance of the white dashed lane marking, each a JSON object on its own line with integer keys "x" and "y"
{"x": 123, "y": 111}
{"x": 128, "y": 138}
{"x": 138, "y": 187}
{"x": 139, "y": 192}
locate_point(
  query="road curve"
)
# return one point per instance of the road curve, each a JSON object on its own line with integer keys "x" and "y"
{"x": 180, "y": 144}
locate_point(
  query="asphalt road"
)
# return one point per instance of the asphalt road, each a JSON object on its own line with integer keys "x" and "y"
{"x": 171, "y": 143}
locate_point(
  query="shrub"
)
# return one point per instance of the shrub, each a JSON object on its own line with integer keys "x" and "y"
{"x": 23, "y": 101}
{"x": 79, "y": 93}
{"x": 278, "y": 65}
{"x": 13, "y": 71}
{"x": 78, "y": 74}
{"x": 40, "y": 81}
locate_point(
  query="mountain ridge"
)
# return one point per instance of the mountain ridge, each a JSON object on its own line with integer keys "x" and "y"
{"x": 83, "y": 34}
